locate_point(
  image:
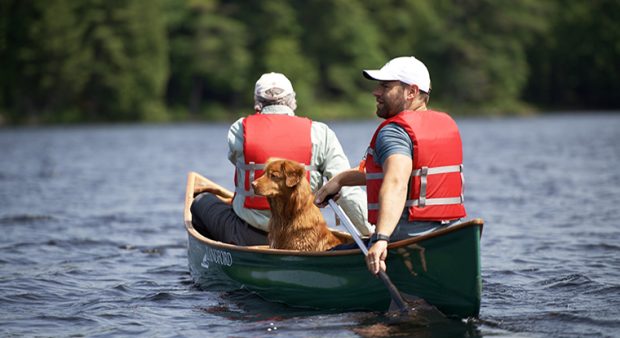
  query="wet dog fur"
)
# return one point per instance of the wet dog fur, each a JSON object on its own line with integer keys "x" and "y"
{"x": 296, "y": 222}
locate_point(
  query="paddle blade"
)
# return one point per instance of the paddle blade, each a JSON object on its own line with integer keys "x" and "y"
{"x": 417, "y": 309}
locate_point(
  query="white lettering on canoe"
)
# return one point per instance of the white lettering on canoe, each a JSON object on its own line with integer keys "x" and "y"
{"x": 216, "y": 256}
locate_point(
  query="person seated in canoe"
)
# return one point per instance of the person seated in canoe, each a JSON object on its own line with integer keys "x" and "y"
{"x": 413, "y": 167}
{"x": 273, "y": 131}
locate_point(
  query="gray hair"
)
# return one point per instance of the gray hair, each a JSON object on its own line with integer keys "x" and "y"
{"x": 288, "y": 100}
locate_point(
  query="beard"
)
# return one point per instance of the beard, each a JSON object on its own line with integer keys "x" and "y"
{"x": 390, "y": 107}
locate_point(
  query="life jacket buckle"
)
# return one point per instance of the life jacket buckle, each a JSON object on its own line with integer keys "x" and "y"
{"x": 423, "y": 184}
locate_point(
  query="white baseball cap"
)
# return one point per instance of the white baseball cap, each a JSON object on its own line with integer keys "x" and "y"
{"x": 406, "y": 69}
{"x": 273, "y": 86}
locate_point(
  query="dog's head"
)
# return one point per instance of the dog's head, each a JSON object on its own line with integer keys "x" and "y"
{"x": 280, "y": 177}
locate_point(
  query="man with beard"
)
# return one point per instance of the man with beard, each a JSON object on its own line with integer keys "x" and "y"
{"x": 413, "y": 167}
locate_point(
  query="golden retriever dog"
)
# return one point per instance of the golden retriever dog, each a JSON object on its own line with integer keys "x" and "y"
{"x": 296, "y": 223}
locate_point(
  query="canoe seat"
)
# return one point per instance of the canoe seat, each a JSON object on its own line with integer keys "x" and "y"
{"x": 343, "y": 236}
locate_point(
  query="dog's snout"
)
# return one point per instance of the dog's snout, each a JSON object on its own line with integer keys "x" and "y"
{"x": 254, "y": 184}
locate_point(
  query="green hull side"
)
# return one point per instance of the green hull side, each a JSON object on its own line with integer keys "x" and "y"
{"x": 444, "y": 270}
{"x": 325, "y": 282}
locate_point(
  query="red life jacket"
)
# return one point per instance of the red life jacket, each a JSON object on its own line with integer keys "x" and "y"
{"x": 436, "y": 187}
{"x": 271, "y": 135}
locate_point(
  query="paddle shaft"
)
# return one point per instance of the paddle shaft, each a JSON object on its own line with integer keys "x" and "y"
{"x": 396, "y": 296}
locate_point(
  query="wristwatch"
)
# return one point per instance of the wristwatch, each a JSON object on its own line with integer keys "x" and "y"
{"x": 382, "y": 237}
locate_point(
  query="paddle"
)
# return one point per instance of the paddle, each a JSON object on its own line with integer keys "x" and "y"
{"x": 397, "y": 298}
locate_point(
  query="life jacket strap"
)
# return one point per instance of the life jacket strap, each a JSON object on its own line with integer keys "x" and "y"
{"x": 438, "y": 170}
{"x": 252, "y": 168}
{"x": 429, "y": 171}
{"x": 435, "y": 201}
{"x": 423, "y": 173}
{"x": 245, "y": 193}
{"x": 428, "y": 202}
{"x": 255, "y": 166}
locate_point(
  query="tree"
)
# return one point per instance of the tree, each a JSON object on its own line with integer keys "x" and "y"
{"x": 42, "y": 59}
{"x": 128, "y": 67}
{"x": 209, "y": 55}
{"x": 576, "y": 65}
{"x": 74, "y": 61}
{"x": 276, "y": 46}
{"x": 342, "y": 38}
{"x": 476, "y": 53}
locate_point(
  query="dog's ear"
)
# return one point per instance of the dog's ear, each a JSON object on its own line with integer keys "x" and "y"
{"x": 294, "y": 173}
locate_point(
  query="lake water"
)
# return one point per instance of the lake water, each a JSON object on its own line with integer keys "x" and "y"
{"x": 92, "y": 240}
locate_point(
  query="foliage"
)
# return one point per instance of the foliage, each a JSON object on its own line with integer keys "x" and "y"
{"x": 209, "y": 55}
{"x": 71, "y": 61}
{"x": 156, "y": 60}
{"x": 578, "y": 66}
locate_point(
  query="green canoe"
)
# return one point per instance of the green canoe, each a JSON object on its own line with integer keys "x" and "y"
{"x": 442, "y": 267}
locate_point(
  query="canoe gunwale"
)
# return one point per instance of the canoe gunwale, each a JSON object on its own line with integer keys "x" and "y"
{"x": 194, "y": 177}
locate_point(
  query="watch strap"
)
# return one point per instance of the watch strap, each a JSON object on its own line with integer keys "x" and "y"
{"x": 382, "y": 237}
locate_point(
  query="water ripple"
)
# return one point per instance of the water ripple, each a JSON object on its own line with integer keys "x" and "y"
{"x": 571, "y": 281}
{"x": 25, "y": 219}
{"x": 111, "y": 260}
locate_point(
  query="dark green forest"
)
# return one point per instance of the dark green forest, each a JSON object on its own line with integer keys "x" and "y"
{"x": 67, "y": 61}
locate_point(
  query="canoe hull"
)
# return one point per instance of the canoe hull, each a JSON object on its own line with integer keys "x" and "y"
{"x": 442, "y": 267}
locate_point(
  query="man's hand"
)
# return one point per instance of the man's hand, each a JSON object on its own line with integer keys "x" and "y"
{"x": 330, "y": 189}
{"x": 220, "y": 192}
{"x": 376, "y": 257}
